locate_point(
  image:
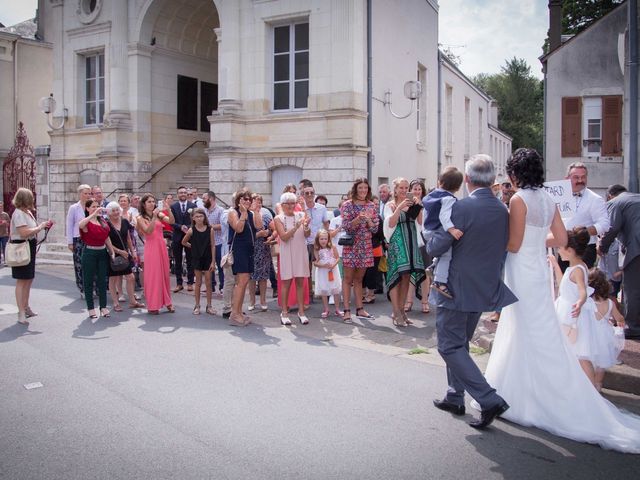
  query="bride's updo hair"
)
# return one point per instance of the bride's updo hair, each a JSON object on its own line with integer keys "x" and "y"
{"x": 525, "y": 168}
{"x": 578, "y": 239}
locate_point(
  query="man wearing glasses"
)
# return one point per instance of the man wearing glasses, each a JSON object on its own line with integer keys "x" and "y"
{"x": 317, "y": 213}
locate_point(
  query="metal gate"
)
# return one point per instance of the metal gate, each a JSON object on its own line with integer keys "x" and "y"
{"x": 19, "y": 169}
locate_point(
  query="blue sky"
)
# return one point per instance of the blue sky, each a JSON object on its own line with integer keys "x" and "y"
{"x": 484, "y": 33}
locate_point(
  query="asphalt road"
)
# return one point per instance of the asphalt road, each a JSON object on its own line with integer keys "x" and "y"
{"x": 184, "y": 397}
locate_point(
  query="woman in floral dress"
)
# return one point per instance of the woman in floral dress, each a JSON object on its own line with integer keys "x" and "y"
{"x": 359, "y": 220}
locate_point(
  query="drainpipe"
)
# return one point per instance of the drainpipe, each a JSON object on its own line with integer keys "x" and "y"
{"x": 633, "y": 95}
{"x": 369, "y": 95}
{"x": 439, "y": 148}
{"x": 15, "y": 86}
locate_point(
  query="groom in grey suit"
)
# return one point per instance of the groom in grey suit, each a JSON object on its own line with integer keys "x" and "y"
{"x": 475, "y": 282}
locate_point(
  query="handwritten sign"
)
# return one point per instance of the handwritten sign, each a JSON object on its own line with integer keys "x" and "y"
{"x": 560, "y": 191}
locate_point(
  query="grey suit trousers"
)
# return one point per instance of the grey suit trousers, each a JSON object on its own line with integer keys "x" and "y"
{"x": 631, "y": 286}
{"x": 455, "y": 329}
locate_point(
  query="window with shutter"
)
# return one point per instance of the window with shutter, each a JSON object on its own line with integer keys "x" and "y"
{"x": 571, "y": 127}
{"x": 612, "y": 125}
{"x": 208, "y": 103}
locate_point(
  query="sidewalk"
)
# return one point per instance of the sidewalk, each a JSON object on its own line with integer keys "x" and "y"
{"x": 621, "y": 378}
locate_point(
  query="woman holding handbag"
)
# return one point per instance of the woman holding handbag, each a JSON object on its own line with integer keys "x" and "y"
{"x": 119, "y": 234}
{"x": 94, "y": 232}
{"x": 23, "y": 232}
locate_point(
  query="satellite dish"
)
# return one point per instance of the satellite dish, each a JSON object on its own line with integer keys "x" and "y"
{"x": 47, "y": 104}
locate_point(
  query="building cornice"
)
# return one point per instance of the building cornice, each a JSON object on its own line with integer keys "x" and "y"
{"x": 346, "y": 113}
{"x": 104, "y": 27}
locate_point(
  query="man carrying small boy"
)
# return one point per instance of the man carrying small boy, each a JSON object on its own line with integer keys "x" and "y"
{"x": 437, "y": 205}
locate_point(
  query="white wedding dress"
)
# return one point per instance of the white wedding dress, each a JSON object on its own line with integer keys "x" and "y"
{"x": 532, "y": 366}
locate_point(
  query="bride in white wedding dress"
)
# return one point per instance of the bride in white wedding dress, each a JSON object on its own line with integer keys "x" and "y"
{"x": 531, "y": 365}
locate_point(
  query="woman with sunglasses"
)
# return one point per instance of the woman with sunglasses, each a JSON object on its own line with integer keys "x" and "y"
{"x": 243, "y": 225}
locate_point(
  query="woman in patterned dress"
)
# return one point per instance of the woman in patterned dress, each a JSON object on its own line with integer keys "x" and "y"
{"x": 261, "y": 256}
{"x": 404, "y": 260}
{"x": 360, "y": 220}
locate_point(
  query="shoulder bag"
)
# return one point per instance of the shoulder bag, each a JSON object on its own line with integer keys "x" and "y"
{"x": 119, "y": 263}
{"x": 17, "y": 253}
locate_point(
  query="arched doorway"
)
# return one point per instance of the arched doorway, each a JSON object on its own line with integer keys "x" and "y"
{"x": 280, "y": 176}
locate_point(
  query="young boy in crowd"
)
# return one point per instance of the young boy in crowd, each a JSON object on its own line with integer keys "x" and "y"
{"x": 437, "y": 205}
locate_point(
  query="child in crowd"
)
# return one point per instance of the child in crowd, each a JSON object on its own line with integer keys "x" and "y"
{"x": 328, "y": 280}
{"x": 575, "y": 307}
{"x": 437, "y": 205}
{"x": 609, "y": 263}
{"x": 607, "y": 315}
{"x": 200, "y": 239}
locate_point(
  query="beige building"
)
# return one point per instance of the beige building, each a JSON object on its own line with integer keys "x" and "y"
{"x": 25, "y": 76}
{"x": 469, "y": 121}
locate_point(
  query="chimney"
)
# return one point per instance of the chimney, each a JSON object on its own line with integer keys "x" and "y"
{"x": 555, "y": 24}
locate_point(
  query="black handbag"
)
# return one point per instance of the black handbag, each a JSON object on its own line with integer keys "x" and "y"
{"x": 119, "y": 264}
{"x": 346, "y": 240}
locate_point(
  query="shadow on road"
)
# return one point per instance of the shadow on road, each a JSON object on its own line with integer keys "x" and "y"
{"x": 15, "y": 331}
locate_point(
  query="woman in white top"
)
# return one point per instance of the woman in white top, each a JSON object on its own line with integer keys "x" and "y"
{"x": 24, "y": 228}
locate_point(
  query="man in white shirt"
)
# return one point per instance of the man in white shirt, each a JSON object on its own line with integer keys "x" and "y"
{"x": 193, "y": 192}
{"x": 590, "y": 211}
{"x": 74, "y": 243}
{"x": 319, "y": 218}
{"x": 384, "y": 193}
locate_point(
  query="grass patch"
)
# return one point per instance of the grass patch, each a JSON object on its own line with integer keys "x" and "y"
{"x": 477, "y": 350}
{"x": 418, "y": 351}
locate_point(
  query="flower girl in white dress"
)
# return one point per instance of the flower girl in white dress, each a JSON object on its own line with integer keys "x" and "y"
{"x": 328, "y": 281}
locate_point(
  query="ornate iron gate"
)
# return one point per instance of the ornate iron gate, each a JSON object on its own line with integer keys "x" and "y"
{"x": 19, "y": 169}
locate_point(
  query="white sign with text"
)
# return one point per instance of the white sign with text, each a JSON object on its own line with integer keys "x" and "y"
{"x": 560, "y": 191}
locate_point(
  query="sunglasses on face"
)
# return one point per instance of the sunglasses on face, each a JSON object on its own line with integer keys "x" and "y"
{"x": 309, "y": 193}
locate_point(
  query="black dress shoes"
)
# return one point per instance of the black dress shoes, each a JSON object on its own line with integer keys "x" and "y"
{"x": 488, "y": 416}
{"x": 449, "y": 407}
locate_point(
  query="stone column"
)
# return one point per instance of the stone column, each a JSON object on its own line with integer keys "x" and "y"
{"x": 229, "y": 59}
{"x": 118, "y": 65}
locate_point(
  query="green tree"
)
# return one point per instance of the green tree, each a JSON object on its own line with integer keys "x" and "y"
{"x": 519, "y": 95}
{"x": 579, "y": 14}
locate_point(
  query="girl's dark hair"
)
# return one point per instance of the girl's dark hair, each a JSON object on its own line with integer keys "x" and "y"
{"x": 525, "y": 167}
{"x": 578, "y": 239}
{"x": 87, "y": 204}
{"x": 143, "y": 201}
{"x": 598, "y": 281}
{"x": 353, "y": 193}
{"x": 417, "y": 181}
{"x": 202, "y": 212}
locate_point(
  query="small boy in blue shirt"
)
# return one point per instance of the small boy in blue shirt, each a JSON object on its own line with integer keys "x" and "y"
{"x": 437, "y": 206}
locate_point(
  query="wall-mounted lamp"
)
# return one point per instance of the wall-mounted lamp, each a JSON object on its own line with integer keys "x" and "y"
{"x": 47, "y": 106}
{"x": 412, "y": 90}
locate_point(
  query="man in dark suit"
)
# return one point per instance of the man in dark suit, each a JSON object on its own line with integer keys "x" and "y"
{"x": 624, "y": 214}
{"x": 182, "y": 214}
{"x": 475, "y": 280}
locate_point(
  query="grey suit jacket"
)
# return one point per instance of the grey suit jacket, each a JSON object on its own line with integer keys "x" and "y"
{"x": 624, "y": 214}
{"x": 475, "y": 272}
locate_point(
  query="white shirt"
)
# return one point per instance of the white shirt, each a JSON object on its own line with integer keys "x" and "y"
{"x": 590, "y": 209}
{"x": 336, "y": 222}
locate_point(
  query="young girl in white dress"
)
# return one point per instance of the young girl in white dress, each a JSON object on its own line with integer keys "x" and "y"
{"x": 328, "y": 280}
{"x": 576, "y": 308}
{"x": 607, "y": 315}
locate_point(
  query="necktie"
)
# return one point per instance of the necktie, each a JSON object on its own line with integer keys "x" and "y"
{"x": 577, "y": 194}
{"x": 184, "y": 208}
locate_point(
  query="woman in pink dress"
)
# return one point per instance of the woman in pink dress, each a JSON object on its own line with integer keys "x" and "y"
{"x": 292, "y": 228}
{"x": 293, "y": 292}
{"x": 156, "y": 275}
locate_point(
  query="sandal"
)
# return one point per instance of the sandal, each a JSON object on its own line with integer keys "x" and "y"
{"x": 235, "y": 322}
{"x": 397, "y": 322}
{"x": 136, "y": 305}
{"x": 30, "y": 313}
{"x": 346, "y": 316}
{"x": 117, "y": 308}
{"x": 362, "y": 313}
{"x": 153, "y": 312}
{"x": 196, "y": 310}
{"x": 284, "y": 319}
{"x": 105, "y": 312}
{"x": 425, "y": 308}
{"x": 406, "y": 319}
{"x": 408, "y": 306}
{"x": 324, "y": 314}
{"x": 209, "y": 310}
{"x": 339, "y": 313}
{"x": 171, "y": 309}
